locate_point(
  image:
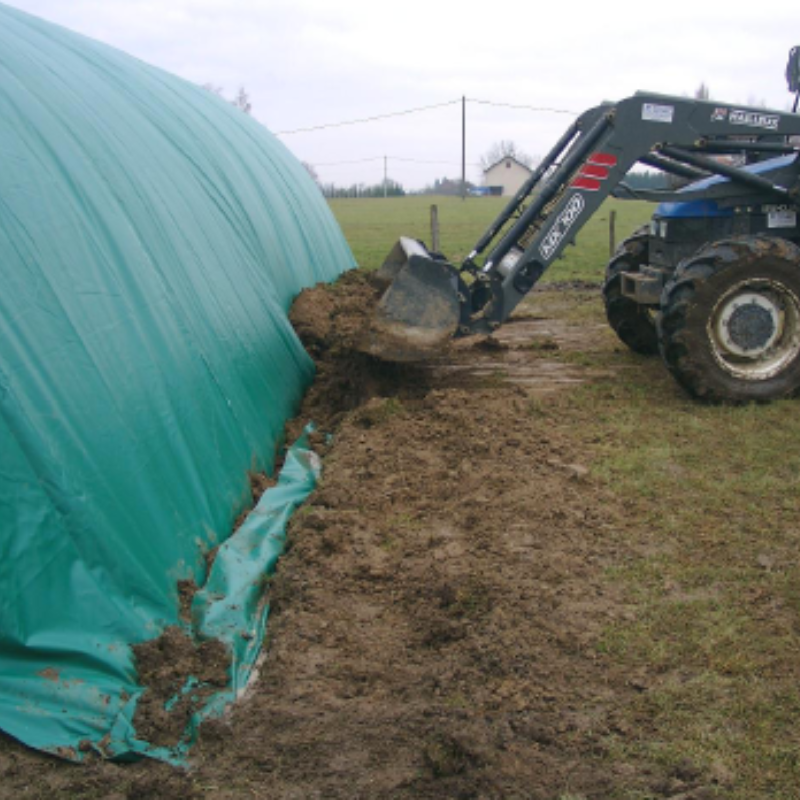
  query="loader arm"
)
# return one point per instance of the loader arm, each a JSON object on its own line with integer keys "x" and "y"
{"x": 677, "y": 135}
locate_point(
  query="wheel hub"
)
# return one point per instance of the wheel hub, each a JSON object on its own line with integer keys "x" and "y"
{"x": 755, "y": 329}
{"x": 750, "y": 324}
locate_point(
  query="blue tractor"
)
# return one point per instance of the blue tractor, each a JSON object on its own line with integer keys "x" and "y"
{"x": 712, "y": 283}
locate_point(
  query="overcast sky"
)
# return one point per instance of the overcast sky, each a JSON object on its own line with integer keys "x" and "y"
{"x": 306, "y": 63}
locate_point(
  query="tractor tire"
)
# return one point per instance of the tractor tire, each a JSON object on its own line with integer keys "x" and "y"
{"x": 729, "y": 328}
{"x": 633, "y": 324}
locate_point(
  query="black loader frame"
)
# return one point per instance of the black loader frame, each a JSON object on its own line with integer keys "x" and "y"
{"x": 676, "y": 135}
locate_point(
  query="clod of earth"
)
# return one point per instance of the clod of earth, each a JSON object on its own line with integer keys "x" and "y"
{"x": 164, "y": 665}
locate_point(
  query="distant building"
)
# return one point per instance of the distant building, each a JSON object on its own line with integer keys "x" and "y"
{"x": 508, "y": 174}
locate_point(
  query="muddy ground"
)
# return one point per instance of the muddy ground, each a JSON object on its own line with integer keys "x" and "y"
{"x": 436, "y": 619}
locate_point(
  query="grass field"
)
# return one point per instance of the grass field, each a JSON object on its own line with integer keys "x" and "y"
{"x": 709, "y": 499}
{"x": 372, "y": 225}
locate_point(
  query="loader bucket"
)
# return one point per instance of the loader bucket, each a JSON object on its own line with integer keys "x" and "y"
{"x": 420, "y": 309}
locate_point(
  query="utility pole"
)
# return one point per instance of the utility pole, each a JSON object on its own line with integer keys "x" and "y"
{"x": 385, "y": 179}
{"x": 463, "y": 147}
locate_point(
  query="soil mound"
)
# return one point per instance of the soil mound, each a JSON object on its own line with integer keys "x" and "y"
{"x": 332, "y": 321}
{"x": 330, "y": 318}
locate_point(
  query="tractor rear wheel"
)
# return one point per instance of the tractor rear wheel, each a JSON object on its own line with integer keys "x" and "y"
{"x": 729, "y": 328}
{"x": 633, "y": 323}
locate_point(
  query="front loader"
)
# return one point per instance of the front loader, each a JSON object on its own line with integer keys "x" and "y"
{"x": 713, "y": 283}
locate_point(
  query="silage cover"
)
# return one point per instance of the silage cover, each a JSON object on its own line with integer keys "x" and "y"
{"x": 152, "y": 238}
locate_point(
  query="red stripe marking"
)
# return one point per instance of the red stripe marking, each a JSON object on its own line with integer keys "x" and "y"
{"x": 603, "y": 158}
{"x": 594, "y": 171}
{"x": 590, "y": 184}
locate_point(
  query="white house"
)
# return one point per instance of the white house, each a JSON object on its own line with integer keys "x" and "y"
{"x": 507, "y": 173}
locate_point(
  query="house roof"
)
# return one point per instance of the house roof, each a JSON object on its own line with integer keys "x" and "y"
{"x": 507, "y": 158}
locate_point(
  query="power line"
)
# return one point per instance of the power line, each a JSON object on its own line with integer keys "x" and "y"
{"x": 342, "y": 163}
{"x": 392, "y": 158}
{"x": 422, "y": 161}
{"x": 522, "y": 107}
{"x": 368, "y": 119}
{"x": 460, "y": 101}
{"x": 407, "y": 111}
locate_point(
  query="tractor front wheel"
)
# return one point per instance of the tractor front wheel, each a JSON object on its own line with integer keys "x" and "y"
{"x": 729, "y": 328}
{"x": 633, "y": 324}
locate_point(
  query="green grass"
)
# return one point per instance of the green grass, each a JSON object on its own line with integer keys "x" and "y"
{"x": 709, "y": 502}
{"x": 372, "y": 225}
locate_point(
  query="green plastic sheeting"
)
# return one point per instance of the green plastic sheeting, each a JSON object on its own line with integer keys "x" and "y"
{"x": 152, "y": 238}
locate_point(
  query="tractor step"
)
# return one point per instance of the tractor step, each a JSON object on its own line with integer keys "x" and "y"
{"x": 645, "y": 286}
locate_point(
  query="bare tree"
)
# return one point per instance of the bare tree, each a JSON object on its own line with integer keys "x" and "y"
{"x": 503, "y": 149}
{"x": 241, "y": 101}
{"x": 702, "y": 92}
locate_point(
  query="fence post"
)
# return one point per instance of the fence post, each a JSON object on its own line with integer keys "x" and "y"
{"x": 612, "y": 233}
{"x": 435, "y": 228}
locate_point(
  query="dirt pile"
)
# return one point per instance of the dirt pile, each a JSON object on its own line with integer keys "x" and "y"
{"x": 334, "y": 318}
{"x": 332, "y": 321}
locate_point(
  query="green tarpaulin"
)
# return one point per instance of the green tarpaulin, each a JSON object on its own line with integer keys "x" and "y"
{"x": 152, "y": 238}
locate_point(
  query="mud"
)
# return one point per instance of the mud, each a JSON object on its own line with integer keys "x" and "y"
{"x": 260, "y": 482}
{"x": 436, "y": 620}
{"x": 332, "y": 322}
{"x": 333, "y": 319}
{"x": 164, "y": 665}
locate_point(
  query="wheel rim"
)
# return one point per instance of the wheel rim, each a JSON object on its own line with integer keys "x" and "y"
{"x": 754, "y": 329}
